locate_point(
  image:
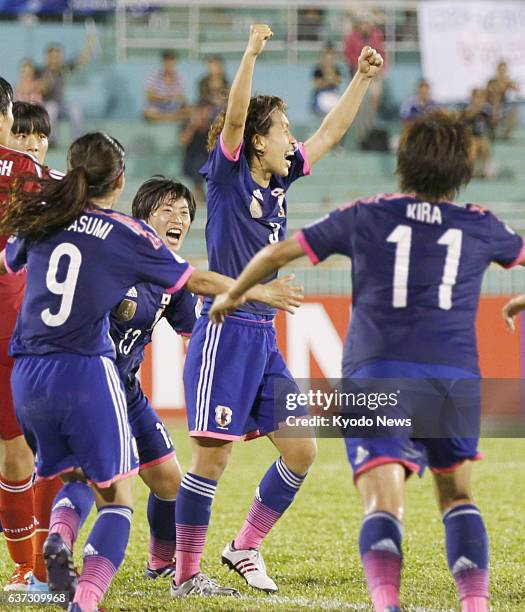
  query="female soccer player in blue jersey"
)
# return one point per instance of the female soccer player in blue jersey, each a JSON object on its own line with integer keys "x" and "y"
{"x": 231, "y": 370}
{"x": 169, "y": 207}
{"x": 81, "y": 258}
{"x": 412, "y": 321}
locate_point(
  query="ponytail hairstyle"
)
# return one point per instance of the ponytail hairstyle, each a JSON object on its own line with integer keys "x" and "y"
{"x": 258, "y": 121}
{"x": 37, "y": 208}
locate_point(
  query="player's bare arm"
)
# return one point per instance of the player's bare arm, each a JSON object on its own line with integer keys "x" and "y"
{"x": 267, "y": 261}
{"x": 239, "y": 98}
{"x": 277, "y": 294}
{"x": 511, "y": 309}
{"x": 340, "y": 118}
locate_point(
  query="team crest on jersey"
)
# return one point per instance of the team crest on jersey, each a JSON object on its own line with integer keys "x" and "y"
{"x": 256, "y": 210}
{"x": 223, "y": 416}
{"x": 126, "y": 310}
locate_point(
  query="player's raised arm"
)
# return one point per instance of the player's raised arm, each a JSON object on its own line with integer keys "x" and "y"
{"x": 277, "y": 294}
{"x": 241, "y": 89}
{"x": 339, "y": 119}
{"x": 267, "y": 261}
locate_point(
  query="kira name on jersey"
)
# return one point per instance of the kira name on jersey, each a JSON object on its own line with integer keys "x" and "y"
{"x": 91, "y": 226}
{"x": 425, "y": 212}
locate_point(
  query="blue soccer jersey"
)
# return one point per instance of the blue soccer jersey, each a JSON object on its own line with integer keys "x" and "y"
{"x": 77, "y": 275}
{"x": 417, "y": 270}
{"x": 244, "y": 217}
{"x": 132, "y": 322}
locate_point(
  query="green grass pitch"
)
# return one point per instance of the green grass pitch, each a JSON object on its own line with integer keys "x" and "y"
{"x": 312, "y": 551}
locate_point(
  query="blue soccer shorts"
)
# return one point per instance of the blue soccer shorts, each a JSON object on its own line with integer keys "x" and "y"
{"x": 441, "y": 455}
{"x": 73, "y": 409}
{"x": 231, "y": 376}
{"x": 154, "y": 443}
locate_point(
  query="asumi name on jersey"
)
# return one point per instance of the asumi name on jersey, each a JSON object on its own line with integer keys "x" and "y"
{"x": 91, "y": 226}
{"x": 425, "y": 212}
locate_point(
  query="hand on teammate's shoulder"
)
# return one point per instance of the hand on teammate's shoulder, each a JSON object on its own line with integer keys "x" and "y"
{"x": 370, "y": 62}
{"x": 259, "y": 34}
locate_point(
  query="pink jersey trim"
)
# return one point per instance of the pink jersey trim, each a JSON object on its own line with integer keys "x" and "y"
{"x": 227, "y": 154}
{"x": 214, "y": 434}
{"x": 517, "y": 261}
{"x": 452, "y": 468}
{"x": 108, "y": 483}
{"x": 132, "y": 223}
{"x": 307, "y": 169}
{"x": 301, "y": 239}
{"x": 163, "y": 459}
{"x": 64, "y": 471}
{"x": 182, "y": 280}
{"x": 373, "y": 463}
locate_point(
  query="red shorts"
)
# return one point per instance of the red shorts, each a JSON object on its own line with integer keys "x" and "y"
{"x": 11, "y": 294}
{"x": 9, "y": 427}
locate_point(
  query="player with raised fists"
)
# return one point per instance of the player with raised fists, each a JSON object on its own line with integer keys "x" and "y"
{"x": 395, "y": 304}
{"x": 231, "y": 371}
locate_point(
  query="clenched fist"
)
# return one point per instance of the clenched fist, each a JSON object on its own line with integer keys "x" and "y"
{"x": 259, "y": 34}
{"x": 370, "y": 62}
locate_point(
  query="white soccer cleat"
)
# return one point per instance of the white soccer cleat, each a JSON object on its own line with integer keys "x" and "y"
{"x": 250, "y": 565}
{"x": 202, "y": 585}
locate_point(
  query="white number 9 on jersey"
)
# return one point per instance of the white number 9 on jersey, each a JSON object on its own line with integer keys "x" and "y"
{"x": 65, "y": 288}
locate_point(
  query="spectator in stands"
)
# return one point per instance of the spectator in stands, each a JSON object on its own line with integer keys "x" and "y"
{"x": 327, "y": 78}
{"x": 165, "y": 92}
{"x": 28, "y": 86}
{"x": 478, "y": 115}
{"x": 364, "y": 32}
{"x": 502, "y": 90}
{"x": 214, "y": 85}
{"x": 53, "y": 80}
{"x": 194, "y": 138}
{"x": 309, "y": 23}
{"x": 419, "y": 104}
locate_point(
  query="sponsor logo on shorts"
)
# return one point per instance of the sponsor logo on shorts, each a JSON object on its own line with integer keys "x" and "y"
{"x": 361, "y": 455}
{"x": 223, "y": 416}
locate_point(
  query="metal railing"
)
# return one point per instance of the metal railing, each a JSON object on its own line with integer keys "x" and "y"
{"x": 203, "y": 27}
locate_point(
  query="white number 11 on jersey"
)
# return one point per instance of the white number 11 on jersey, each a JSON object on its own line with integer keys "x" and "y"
{"x": 402, "y": 236}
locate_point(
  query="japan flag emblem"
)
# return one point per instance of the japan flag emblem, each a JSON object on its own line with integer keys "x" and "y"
{"x": 223, "y": 416}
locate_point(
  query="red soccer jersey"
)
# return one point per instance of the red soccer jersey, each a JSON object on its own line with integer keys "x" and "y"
{"x": 14, "y": 164}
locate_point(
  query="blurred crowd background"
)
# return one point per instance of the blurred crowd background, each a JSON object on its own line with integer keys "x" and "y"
{"x": 156, "y": 76}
